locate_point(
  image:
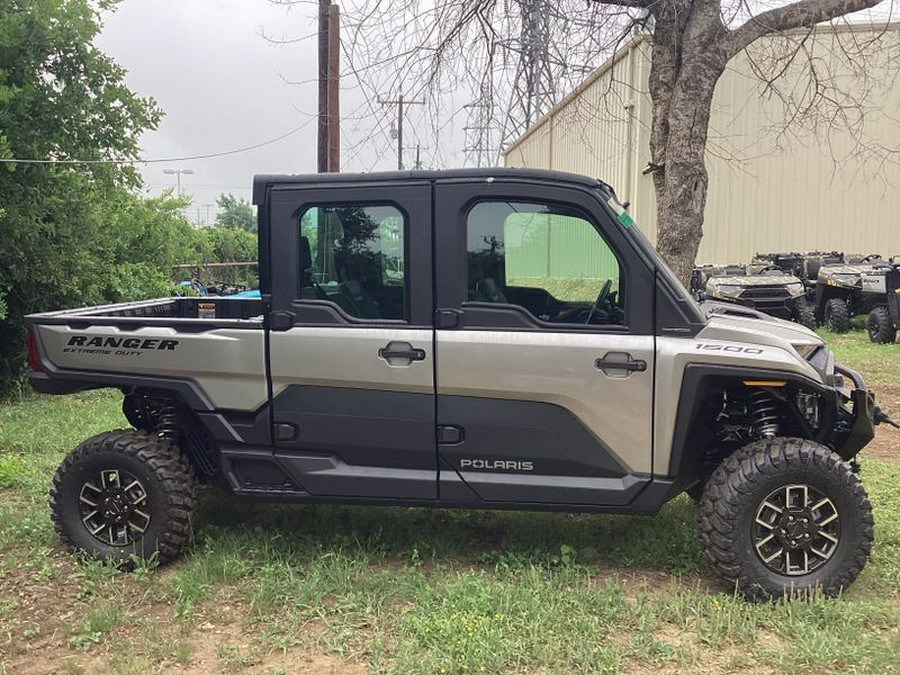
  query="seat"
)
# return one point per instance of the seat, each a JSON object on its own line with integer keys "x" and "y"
{"x": 488, "y": 290}
{"x": 309, "y": 289}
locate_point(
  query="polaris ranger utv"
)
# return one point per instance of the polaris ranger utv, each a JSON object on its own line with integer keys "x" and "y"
{"x": 804, "y": 266}
{"x": 501, "y": 339}
{"x": 848, "y": 289}
{"x": 764, "y": 287}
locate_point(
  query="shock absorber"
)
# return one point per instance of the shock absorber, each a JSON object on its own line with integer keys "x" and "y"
{"x": 167, "y": 426}
{"x": 763, "y": 412}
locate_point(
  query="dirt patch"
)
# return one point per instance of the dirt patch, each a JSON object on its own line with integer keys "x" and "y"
{"x": 41, "y": 614}
{"x": 888, "y": 397}
{"x": 886, "y": 444}
{"x": 308, "y": 663}
{"x": 225, "y": 644}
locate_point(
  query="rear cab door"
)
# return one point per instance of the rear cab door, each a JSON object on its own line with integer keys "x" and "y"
{"x": 545, "y": 346}
{"x": 351, "y": 337}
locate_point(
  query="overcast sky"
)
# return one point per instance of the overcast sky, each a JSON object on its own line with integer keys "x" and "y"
{"x": 222, "y": 87}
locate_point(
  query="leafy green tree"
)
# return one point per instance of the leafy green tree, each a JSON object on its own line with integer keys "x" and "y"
{"x": 68, "y": 229}
{"x": 235, "y": 213}
{"x": 225, "y": 244}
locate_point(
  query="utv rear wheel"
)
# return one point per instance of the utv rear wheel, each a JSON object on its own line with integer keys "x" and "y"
{"x": 837, "y": 316}
{"x": 124, "y": 493}
{"x": 881, "y": 328}
{"x": 786, "y": 516}
{"x": 804, "y": 315}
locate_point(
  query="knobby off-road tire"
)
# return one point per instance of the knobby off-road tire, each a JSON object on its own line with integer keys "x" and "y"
{"x": 124, "y": 493}
{"x": 837, "y": 316}
{"x": 880, "y": 327}
{"x": 738, "y": 511}
{"x": 804, "y": 314}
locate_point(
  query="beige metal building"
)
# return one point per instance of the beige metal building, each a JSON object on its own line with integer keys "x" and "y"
{"x": 775, "y": 184}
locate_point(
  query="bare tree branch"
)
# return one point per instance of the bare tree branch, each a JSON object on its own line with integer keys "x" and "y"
{"x": 805, "y": 13}
{"x": 637, "y": 4}
{"x": 502, "y": 64}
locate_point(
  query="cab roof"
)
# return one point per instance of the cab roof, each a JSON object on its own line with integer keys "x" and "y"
{"x": 262, "y": 182}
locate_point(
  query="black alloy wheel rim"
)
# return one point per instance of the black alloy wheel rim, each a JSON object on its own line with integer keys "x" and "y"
{"x": 113, "y": 507}
{"x": 874, "y": 329}
{"x": 797, "y": 529}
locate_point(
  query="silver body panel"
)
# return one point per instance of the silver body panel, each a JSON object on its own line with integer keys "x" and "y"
{"x": 558, "y": 368}
{"x": 555, "y": 368}
{"x": 227, "y": 364}
{"x": 753, "y": 343}
{"x": 348, "y": 357}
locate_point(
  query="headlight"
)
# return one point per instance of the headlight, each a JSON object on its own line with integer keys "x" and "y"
{"x": 726, "y": 290}
{"x": 795, "y": 289}
{"x": 843, "y": 279}
{"x": 804, "y": 350}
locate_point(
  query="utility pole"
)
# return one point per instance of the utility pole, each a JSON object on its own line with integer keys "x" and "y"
{"x": 323, "y": 86}
{"x": 329, "y": 129}
{"x": 334, "y": 90}
{"x": 418, "y": 156}
{"x": 208, "y": 207}
{"x": 177, "y": 173}
{"x": 400, "y": 103}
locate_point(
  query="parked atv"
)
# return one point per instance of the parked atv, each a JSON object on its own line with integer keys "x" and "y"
{"x": 766, "y": 288}
{"x": 849, "y": 289}
{"x": 804, "y": 266}
{"x": 884, "y": 319}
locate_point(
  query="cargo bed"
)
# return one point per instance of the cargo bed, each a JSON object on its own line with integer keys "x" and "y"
{"x": 222, "y": 311}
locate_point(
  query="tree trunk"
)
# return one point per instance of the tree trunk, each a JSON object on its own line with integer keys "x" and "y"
{"x": 682, "y": 183}
{"x": 687, "y": 63}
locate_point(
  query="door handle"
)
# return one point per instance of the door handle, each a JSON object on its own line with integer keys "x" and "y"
{"x": 620, "y": 361}
{"x": 401, "y": 351}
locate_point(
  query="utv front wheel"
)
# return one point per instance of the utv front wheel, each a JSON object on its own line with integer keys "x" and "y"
{"x": 804, "y": 315}
{"x": 785, "y": 516}
{"x": 124, "y": 493}
{"x": 837, "y": 316}
{"x": 881, "y": 328}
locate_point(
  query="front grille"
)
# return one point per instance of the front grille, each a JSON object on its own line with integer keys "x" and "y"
{"x": 766, "y": 293}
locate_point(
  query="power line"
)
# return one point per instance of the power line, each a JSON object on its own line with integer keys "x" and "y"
{"x": 187, "y": 158}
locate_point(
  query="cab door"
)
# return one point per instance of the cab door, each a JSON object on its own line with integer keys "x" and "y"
{"x": 351, "y": 338}
{"x": 545, "y": 346}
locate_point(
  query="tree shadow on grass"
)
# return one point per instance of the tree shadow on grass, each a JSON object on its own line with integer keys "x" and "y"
{"x": 666, "y": 542}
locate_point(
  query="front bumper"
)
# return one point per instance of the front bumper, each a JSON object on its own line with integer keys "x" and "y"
{"x": 781, "y": 307}
{"x": 854, "y": 427}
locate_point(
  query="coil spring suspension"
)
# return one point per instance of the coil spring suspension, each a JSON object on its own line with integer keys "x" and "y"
{"x": 167, "y": 426}
{"x": 763, "y": 411}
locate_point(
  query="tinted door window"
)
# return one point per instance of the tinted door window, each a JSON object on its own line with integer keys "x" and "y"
{"x": 355, "y": 257}
{"x": 547, "y": 259}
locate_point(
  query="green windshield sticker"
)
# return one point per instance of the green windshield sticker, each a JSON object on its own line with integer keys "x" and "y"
{"x": 621, "y": 214}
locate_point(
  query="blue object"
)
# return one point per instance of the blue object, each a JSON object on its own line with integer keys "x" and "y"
{"x": 252, "y": 293}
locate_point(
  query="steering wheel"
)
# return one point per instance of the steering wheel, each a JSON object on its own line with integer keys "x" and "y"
{"x": 601, "y": 299}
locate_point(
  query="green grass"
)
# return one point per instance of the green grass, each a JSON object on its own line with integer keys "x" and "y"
{"x": 419, "y": 591}
{"x": 879, "y": 364}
